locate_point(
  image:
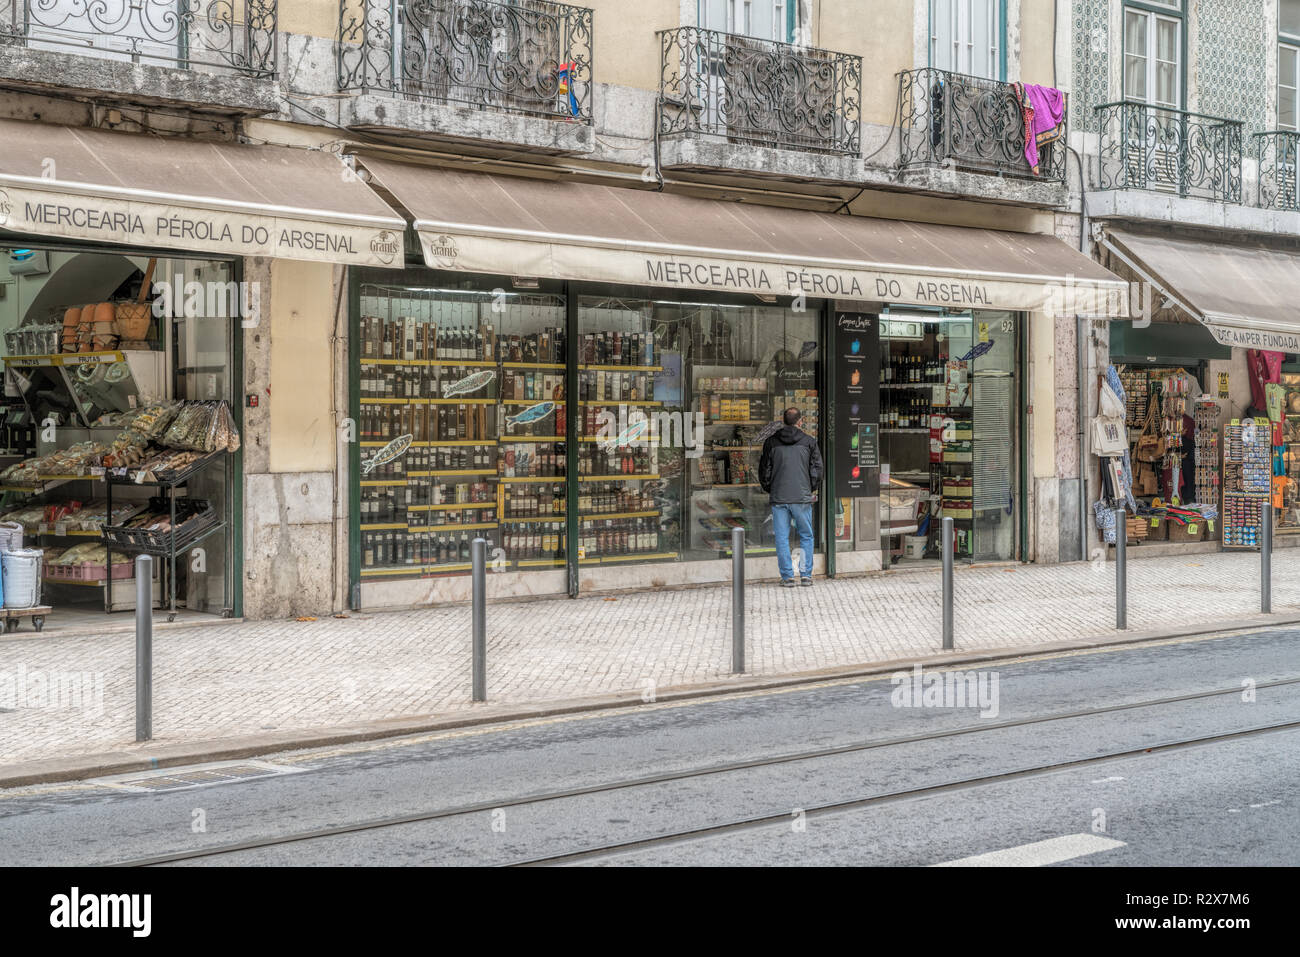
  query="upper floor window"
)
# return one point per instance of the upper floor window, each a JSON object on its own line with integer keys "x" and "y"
{"x": 1288, "y": 65}
{"x": 1153, "y": 55}
{"x": 765, "y": 19}
{"x": 966, "y": 37}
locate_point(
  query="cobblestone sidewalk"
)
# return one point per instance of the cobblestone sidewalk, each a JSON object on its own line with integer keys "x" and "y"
{"x": 221, "y": 681}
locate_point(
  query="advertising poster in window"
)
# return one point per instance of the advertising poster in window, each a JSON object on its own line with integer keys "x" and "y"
{"x": 856, "y": 354}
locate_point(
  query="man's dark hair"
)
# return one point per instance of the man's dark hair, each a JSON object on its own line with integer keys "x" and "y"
{"x": 792, "y": 416}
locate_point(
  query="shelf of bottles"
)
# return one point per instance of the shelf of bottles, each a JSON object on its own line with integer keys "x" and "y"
{"x": 462, "y": 423}
{"x": 927, "y": 426}
{"x": 621, "y": 496}
{"x": 749, "y": 365}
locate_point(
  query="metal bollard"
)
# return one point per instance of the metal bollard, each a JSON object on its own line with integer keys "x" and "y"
{"x": 143, "y": 648}
{"x": 478, "y": 557}
{"x": 1121, "y": 570}
{"x": 1266, "y": 560}
{"x": 947, "y": 544}
{"x": 737, "y": 601}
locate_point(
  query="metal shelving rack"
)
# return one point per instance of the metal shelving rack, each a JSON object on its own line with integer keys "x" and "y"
{"x": 169, "y": 546}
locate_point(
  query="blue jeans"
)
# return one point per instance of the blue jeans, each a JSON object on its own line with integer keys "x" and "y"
{"x": 801, "y": 515}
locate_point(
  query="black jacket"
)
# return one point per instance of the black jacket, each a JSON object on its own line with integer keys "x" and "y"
{"x": 790, "y": 469}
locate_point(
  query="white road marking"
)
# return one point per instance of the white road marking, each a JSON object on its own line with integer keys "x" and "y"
{"x": 1267, "y": 803}
{"x": 1113, "y": 777}
{"x": 1052, "y": 851}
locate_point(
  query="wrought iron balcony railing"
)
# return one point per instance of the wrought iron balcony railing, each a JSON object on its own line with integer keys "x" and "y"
{"x": 759, "y": 92}
{"x": 1278, "y": 154}
{"x": 531, "y": 57}
{"x": 229, "y": 36}
{"x": 968, "y": 122}
{"x": 1171, "y": 151}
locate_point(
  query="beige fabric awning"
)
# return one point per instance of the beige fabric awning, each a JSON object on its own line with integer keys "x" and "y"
{"x": 187, "y": 195}
{"x": 478, "y": 222}
{"x": 1245, "y": 295}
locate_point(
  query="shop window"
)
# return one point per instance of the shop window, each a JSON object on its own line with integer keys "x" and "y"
{"x": 675, "y": 401}
{"x": 462, "y": 424}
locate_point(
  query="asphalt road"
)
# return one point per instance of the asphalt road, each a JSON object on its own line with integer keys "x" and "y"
{"x": 1183, "y": 752}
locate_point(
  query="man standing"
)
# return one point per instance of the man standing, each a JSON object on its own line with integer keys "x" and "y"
{"x": 790, "y": 471}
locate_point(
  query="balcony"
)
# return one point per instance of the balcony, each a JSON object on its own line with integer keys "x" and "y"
{"x": 968, "y": 123}
{"x": 218, "y": 55}
{"x": 1168, "y": 151}
{"x": 736, "y": 102}
{"x": 410, "y": 62}
{"x": 1277, "y": 154}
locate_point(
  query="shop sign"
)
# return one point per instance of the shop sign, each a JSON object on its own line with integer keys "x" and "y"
{"x": 1254, "y": 339}
{"x": 623, "y": 263}
{"x": 855, "y": 350}
{"x": 149, "y": 224}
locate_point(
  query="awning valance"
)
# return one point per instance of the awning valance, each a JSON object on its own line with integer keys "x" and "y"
{"x": 1245, "y": 295}
{"x": 480, "y": 222}
{"x": 171, "y": 193}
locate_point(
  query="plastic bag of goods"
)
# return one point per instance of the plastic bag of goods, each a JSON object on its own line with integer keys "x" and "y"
{"x": 20, "y": 573}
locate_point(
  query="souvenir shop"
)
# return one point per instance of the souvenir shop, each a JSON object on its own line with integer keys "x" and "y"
{"x": 122, "y": 311}
{"x": 595, "y": 405}
{"x": 1199, "y": 412}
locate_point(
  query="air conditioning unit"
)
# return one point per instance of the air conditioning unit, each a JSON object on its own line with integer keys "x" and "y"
{"x": 28, "y": 262}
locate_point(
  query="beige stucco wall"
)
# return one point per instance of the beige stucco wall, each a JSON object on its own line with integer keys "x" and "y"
{"x": 879, "y": 32}
{"x": 316, "y": 18}
{"x": 1036, "y": 41}
{"x": 302, "y": 315}
{"x": 624, "y": 46}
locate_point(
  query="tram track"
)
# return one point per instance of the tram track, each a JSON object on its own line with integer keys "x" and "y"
{"x": 544, "y": 797}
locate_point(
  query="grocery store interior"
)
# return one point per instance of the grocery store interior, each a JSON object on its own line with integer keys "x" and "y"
{"x": 118, "y": 435}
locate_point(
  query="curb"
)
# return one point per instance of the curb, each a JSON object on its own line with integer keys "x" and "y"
{"x": 151, "y": 756}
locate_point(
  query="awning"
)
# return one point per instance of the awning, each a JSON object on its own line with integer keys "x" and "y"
{"x": 187, "y": 195}
{"x": 1245, "y": 295}
{"x": 479, "y": 222}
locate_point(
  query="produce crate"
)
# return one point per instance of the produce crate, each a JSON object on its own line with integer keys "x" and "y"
{"x": 160, "y": 542}
{"x": 86, "y": 572}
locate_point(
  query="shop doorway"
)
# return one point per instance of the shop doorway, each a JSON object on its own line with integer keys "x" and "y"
{"x": 119, "y": 436}
{"x": 949, "y": 431}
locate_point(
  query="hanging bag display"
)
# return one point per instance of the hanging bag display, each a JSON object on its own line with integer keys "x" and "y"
{"x": 1150, "y": 445}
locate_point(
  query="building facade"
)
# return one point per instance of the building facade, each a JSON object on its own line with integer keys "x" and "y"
{"x": 1184, "y": 112}
{"x": 576, "y": 227}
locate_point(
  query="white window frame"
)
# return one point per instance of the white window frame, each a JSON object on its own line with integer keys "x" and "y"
{"x": 1291, "y": 42}
{"x": 961, "y": 27}
{"x": 1150, "y": 54}
{"x": 1294, "y": 85}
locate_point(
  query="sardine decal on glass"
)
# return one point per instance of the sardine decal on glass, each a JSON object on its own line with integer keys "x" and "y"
{"x": 531, "y": 414}
{"x": 470, "y": 383}
{"x": 978, "y": 351}
{"x": 629, "y": 435}
{"x": 392, "y": 450}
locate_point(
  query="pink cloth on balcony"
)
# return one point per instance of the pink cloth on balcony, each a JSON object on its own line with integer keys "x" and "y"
{"x": 1044, "y": 110}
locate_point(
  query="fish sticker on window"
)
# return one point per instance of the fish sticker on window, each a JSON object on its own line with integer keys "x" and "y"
{"x": 470, "y": 384}
{"x": 977, "y": 351}
{"x": 631, "y": 434}
{"x": 533, "y": 413}
{"x": 394, "y": 449}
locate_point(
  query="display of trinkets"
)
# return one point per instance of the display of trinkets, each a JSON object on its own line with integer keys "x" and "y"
{"x": 1247, "y": 480}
